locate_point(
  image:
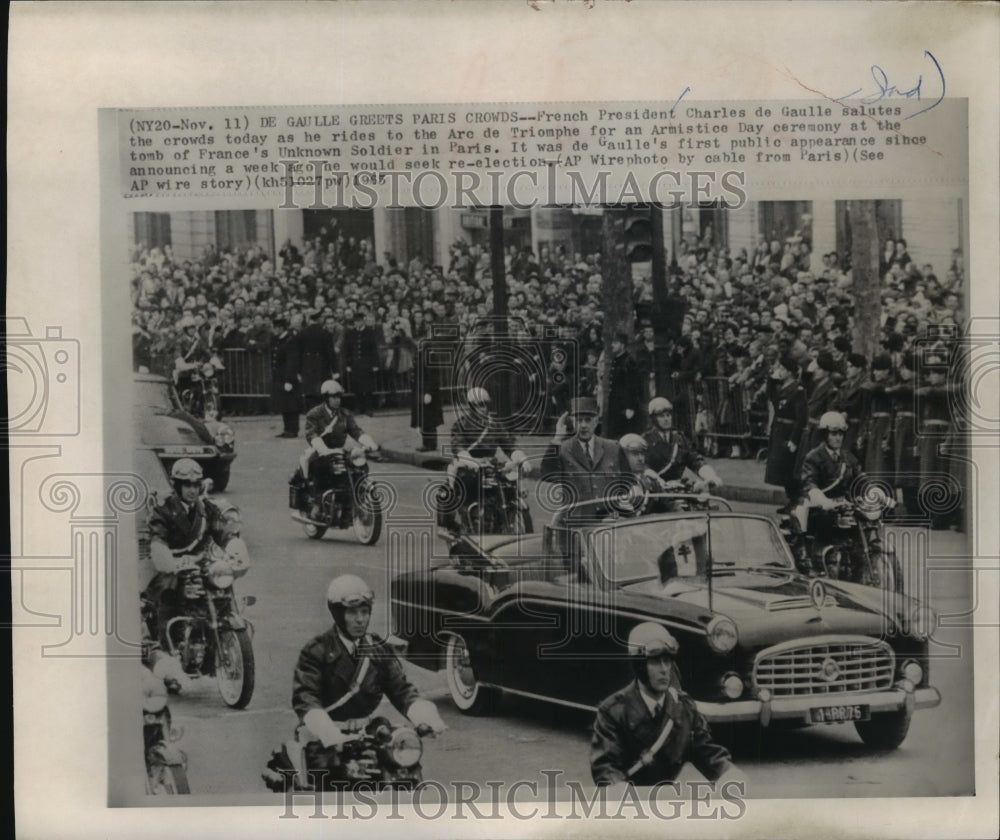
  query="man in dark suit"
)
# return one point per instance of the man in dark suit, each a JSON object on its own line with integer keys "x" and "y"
{"x": 626, "y": 394}
{"x": 645, "y": 733}
{"x": 584, "y": 464}
{"x": 316, "y": 360}
{"x": 361, "y": 363}
{"x": 285, "y": 395}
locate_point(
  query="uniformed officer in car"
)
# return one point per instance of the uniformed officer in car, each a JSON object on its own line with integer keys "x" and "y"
{"x": 646, "y": 732}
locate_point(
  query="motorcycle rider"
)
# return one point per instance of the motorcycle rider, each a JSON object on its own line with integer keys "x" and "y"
{"x": 670, "y": 453}
{"x": 179, "y": 529}
{"x": 477, "y": 434}
{"x": 829, "y": 472}
{"x": 644, "y": 733}
{"x": 343, "y": 674}
{"x": 328, "y": 426}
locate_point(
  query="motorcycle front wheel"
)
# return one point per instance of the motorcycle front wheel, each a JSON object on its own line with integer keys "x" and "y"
{"x": 234, "y": 667}
{"x": 886, "y": 572}
{"x": 522, "y": 522}
{"x": 166, "y": 780}
{"x": 367, "y": 517}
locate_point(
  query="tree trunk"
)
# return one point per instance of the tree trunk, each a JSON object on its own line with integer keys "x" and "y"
{"x": 866, "y": 281}
{"x": 616, "y": 294}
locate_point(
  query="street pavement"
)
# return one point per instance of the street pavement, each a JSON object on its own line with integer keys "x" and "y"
{"x": 289, "y": 573}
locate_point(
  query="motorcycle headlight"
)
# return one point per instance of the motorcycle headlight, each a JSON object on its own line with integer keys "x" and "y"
{"x": 208, "y": 370}
{"x": 154, "y": 703}
{"x": 358, "y": 458}
{"x": 405, "y": 747}
{"x": 224, "y": 435}
{"x": 722, "y": 634}
{"x": 510, "y": 474}
{"x": 923, "y": 622}
{"x": 221, "y": 574}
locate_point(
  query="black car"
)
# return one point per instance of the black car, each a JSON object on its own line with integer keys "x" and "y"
{"x": 547, "y": 616}
{"x": 168, "y": 430}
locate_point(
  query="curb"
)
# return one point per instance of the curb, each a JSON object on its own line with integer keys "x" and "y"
{"x": 763, "y": 495}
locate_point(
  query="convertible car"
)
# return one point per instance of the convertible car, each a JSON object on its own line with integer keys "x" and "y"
{"x": 163, "y": 426}
{"x": 547, "y": 616}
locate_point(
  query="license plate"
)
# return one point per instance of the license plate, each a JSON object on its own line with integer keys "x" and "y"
{"x": 839, "y": 714}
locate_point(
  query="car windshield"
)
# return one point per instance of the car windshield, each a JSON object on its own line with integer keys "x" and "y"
{"x": 154, "y": 395}
{"x": 666, "y": 548}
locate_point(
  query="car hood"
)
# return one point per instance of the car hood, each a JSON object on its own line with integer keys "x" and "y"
{"x": 768, "y": 608}
{"x": 159, "y": 428}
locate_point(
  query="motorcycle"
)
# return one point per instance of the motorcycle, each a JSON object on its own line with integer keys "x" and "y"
{"x": 210, "y": 636}
{"x": 845, "y": 542}
{"x": 384, "y": 755}
{"x": 353, "y": 499}
{"x": 166, "y": 764}
{"x": 198, "y": 389}
{"x": 501, "y": 507}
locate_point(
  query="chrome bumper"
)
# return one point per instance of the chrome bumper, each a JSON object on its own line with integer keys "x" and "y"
{"x": 764, "y": 711}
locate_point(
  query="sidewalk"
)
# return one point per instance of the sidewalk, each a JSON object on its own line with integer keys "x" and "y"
{"x": 391, "y": 429}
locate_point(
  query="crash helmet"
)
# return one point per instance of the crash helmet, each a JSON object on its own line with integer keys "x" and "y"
{"x": 633, "y": 443}
{"x": 658, "y": 405}
{"x": 649, "y": 641}
{"x": 185, "y": 469}
{"x": 833, "y": 421}
{"x": 347, "y": 591}
{"x": 477, "y": 396}
{"x": 331, "y": 388}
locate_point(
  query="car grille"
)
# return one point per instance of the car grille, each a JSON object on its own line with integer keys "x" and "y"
{"x": 832, "y": 665}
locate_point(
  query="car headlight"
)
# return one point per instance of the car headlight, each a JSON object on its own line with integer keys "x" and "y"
{"x": 923, "y": 622}
{"x": 405, "y": 747}
{"x": 732, "y": 686}
{"x": 912, "y": 671}
{"x": 722, "y": 634}
{"x": 224, "y": 435}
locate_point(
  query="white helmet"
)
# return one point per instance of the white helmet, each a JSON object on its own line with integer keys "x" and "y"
{"x": 477, "y": 396}
{"x": 349, "y": 591}
{"x": 186, "y": 469}
{"x": 331, "y": 388}
{"x": 633, "y": 443}
{"x": 658, "y": 405}
{"x": 833, "y": 421}
{"x": 649, "y": 640}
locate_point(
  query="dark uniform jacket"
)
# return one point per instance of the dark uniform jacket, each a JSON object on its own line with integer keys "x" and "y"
{"x": 833, "y": 474}
{"x": 326, "y": 670}
{"x": 426, "y": 379}
{"x": 877, "y": 427}
{"x": 332, "y": 426}
{"x": 283, "y": 369}
{"x": 850, "y": 400}
{"x": 625, "y": 390}
{"x": 480, "y": 436}
{"x": 568, "y": 463}
{"x": 624, "y": 728}
{"x": 182, "y": 532}
{"x": 790, "y": 414}
{"x": 670, "y": 453}
{"x": 315, "y": 360}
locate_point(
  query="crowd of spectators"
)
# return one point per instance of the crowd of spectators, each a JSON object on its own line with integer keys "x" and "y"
{"x": 739, "y": 310}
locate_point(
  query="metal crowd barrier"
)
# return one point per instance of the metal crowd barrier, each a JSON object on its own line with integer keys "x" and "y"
{"x": 728, "y": 414}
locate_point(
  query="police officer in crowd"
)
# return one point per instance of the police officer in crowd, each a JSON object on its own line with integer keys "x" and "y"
{"x": 788, "y": 398}
{"x": 343, "y": 674}
{"x": 286, "y": 398}
{"x": 646, "y": 732}
{"x": 315, "y": 361}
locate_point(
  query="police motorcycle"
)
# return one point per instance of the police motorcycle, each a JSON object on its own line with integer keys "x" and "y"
{"x": 845, "y": 535}
{"x": 208, "y": 633}
{"x": 198, "y": 388}
{"x": 502, "y": 505}
{"x": 370, "y": 753}
{"x": 166, "y": 763}
{"x": 353, "y": 500}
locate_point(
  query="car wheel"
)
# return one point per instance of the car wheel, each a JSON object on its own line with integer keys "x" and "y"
{"x": 469, "y": 695}
{"x": 220, "y": 477}
{"x": 886, "y": 730}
